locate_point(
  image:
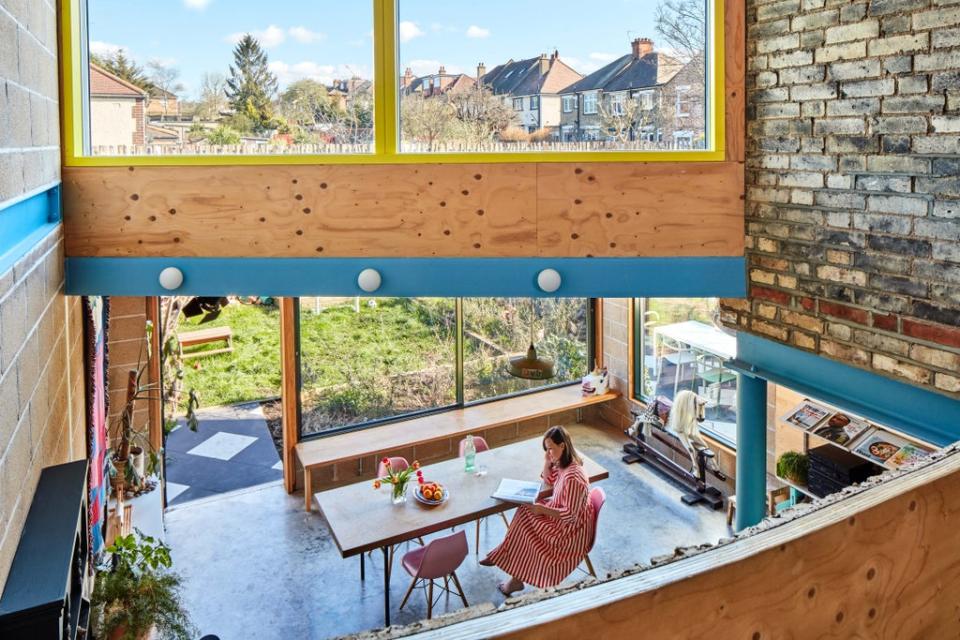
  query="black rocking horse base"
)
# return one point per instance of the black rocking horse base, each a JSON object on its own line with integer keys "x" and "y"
{"x": 696, "y": 490}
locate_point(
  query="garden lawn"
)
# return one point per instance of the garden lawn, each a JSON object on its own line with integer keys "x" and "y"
{"x": 338, "y": 345}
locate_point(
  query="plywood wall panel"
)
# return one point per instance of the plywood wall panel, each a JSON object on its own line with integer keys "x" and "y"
{"x": 387, "y": 211}
{"x": 735, "y": 66}
{"x": 493, "y": 210}
{"x": 641, "y": 209}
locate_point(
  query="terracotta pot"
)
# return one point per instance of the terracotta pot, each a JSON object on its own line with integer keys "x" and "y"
{"x": 117, "y": 633}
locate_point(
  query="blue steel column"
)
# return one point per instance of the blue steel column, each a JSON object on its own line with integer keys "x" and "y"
{"x": 751, "y": 450}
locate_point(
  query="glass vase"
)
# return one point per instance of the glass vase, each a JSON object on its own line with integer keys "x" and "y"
{"x": 398, "y": 495}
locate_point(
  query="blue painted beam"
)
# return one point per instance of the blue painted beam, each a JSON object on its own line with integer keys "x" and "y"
{"x": 918, "y": 412}
{"x": 751, "y": 450}
{"x": 26, "y": 220}
{"x": 406, "y": 277}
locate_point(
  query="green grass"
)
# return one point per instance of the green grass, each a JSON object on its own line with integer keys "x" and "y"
{"x": 252, "y": 371}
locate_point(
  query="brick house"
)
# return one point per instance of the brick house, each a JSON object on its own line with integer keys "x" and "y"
{"x": 435, "y": 84}
{"x": 668, "y": 94}
{"x": 532, "y": 88}
{"x": 117, "y": 110}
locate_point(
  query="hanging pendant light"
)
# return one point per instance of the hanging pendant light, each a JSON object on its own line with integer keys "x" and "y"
{"x": 530, "y": 366}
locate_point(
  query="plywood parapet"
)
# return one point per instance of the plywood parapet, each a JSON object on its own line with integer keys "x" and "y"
{"x": 492, "y": 210}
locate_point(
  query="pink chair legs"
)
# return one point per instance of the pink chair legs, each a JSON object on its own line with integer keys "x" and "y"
{"x": 438, "y": 559}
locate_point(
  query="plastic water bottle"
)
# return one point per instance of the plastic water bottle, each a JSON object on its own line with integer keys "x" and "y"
{"x": 470, "y": 453}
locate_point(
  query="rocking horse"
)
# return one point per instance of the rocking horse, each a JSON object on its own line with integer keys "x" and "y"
{"x": 677, "y": 428}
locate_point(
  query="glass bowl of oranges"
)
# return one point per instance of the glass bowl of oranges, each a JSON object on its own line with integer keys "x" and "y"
{"x": 430, "y": 493}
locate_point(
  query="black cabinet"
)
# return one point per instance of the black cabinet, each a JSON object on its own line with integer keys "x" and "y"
{"x": 45, "y": 595}
{"x": 832, "y": 469}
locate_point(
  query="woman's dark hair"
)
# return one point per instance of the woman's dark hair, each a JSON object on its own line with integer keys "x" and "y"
{"x": 559, "y": 435}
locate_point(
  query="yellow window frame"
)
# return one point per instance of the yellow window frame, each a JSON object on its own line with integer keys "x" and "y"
{"x": 386, "y": 111}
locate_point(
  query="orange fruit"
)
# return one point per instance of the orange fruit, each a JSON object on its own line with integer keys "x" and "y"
{"x": 428, "y": 494}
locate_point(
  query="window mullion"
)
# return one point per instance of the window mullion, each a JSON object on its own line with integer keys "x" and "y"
{"x": 385, "y": 77}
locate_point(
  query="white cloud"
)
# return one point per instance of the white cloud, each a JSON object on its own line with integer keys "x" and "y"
{"x": 196, "y": 5}
{"x": 429, "y": 67}
{"x": 603, "y": 57}
{"x": 269, "y": 37}
{"x": 409, "y": 31}
{"x": 306, "y": 70}
{"x": 304, "y": 35}
{"x": 473, "y": 31}
{"x": 163, "y": 62}
{"x": 106, "y": 49}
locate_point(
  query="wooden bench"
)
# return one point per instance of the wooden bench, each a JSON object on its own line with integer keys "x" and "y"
{"x": 205, "y": 336}
{"x": 456, "y": 423}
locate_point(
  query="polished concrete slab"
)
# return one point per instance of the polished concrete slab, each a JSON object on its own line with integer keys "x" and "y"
{"x": 256, "y": 565}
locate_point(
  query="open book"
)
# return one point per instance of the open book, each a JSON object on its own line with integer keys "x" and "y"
{"x": 520, "y": 491}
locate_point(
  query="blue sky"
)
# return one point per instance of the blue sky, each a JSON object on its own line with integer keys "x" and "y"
{"x": 326, "y": 39}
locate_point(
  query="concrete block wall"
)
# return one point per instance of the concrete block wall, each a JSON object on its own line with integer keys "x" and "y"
{"x": 853, "y": 199}
{"x": 42, "y": 412}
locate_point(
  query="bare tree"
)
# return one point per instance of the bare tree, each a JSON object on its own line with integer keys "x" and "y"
{"x": 213, "y": 97}
{"x": 482, "y": 115}
{"x": 427, "y": 120}
{"x": 628, "y": 119}
{"x": 164, "y": 80}
{"x": 683, "y": 26}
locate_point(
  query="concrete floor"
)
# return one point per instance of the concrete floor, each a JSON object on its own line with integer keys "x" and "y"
{"x": 256, "y": 565}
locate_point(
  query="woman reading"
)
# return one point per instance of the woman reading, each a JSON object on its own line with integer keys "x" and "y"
{"x": 547, "y": 540}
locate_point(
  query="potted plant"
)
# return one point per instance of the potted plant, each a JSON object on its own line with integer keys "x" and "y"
{"x": 793, "y": 466}
{"x": 139, "y": 593}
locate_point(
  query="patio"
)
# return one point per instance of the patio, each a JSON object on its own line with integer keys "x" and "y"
{"x": 255, "y": 563}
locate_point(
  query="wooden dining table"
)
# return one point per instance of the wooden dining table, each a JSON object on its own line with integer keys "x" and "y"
{"x": 362, "y": 518}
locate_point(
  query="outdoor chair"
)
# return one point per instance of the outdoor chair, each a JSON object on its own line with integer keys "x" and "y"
{"x": 480, "y": 445}
{"x": 438, "y": 559}
{"x": 677, "y": 354}
{"x": 597, "y": 499}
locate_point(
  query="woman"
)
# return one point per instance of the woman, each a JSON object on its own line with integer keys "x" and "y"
{"x": 547, "y": 540}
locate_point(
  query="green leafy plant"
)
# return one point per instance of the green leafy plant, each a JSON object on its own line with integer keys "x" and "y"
{"x": 794, "y": 466}
{"x": 139, "y": 593}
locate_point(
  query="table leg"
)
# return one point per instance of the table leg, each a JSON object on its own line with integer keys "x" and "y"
{"x": 386, "y": 586}
{"x": 307, "y": 488}
{"x": 363, "y": 570}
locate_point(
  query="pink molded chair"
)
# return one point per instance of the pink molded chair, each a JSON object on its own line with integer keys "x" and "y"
{"x": 398, "y": 464}
{"x": 440, "y": 558}
{"x": 480, "y": 445}
{"x": 597, "y": 498}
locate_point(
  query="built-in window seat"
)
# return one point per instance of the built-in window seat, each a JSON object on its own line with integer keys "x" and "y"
{"x": 348, "y": 457}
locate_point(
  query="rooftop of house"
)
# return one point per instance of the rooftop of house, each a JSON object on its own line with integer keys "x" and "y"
{"x": 642, "y": 67}
{"x": 445, "y": 81}
{"x": 104, "y": 83}
{"x": 532, "y": 76}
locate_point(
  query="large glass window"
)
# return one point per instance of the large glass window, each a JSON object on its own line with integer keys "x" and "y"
{"x": 496, "y": 329}
{"x": 367, "y": 360}
{"x": 487, "y": 51}
{"x": 229, "y": 78}
{"x": 679, "y": 343}
{"x": 299, "y": 79}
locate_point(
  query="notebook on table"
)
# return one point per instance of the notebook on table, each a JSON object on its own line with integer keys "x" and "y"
{"x": 519, "y": 491}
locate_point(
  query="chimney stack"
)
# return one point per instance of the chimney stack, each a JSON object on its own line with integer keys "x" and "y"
{"x": 641, "y": 47}
{"x": 481, "y": 71}
{"x": 407, "y": 78}
{"x": 443, "y": 70}
{"x": 544, "y": 64}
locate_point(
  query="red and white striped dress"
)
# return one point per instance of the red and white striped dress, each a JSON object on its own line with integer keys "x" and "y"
{"x": 543, "y": 550}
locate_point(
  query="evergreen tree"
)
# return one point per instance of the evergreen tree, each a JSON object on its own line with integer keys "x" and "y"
{"x": 251, "y": 86}
{"x": 123, "y": 67}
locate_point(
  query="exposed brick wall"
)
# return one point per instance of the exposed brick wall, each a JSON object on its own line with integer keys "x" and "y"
{"x": 127, "y": 349}
{"x": 41, "y": 337}
{"x": 853, "y": 198}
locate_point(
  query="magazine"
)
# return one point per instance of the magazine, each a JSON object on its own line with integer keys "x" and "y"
{"x": 881, "y": 445}
{"x": 807, "y": 415}
{"x": 907, "y": 455}
{"x": 841, "y": 428}
{"x": 519, "y": 491}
